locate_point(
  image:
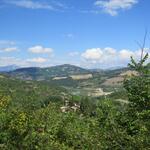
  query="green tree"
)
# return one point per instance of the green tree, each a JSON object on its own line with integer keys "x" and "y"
{"x": 138, "y": 113}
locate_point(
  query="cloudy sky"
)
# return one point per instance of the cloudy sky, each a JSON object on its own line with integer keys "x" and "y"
{"x": 87, "y": 33}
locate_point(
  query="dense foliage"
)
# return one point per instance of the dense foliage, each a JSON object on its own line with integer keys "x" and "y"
{"x": 31, "y": 118}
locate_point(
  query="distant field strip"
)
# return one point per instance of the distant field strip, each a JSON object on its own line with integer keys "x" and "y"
{"x": 80, "y": 77}
{"x": 76, "y": 77}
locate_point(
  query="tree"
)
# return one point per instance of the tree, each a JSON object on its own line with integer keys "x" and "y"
{"x": 138, "y": 87}
{"x": 138, "y": 113}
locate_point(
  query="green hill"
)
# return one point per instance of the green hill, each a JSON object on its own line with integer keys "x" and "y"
{"x": 36, "y": 73}
{"x": 31, "y": 94}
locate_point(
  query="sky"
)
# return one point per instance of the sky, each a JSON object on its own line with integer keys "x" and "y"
{"x": 86, "y": 33}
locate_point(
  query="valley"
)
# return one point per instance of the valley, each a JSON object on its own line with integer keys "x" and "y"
{"x": 76, "y": 80}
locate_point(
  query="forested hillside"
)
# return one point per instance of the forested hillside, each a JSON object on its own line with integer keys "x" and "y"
{"x": 36, "y": 73}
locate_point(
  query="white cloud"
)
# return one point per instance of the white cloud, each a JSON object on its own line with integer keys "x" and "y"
{"x": 5, "y": 61}
{"x": 7, "y": 46}
{"x": 146, "y": 50}
{"x": 8, "y": 49}
{"x": 38, "y": 49}
{"x": 37, "y": 60}
{"x": 30, "y": 4}
{"x": 109, "y": 56}
{"x": 110, "y": 51}
{"x": 59, "y": 4}
{"x": 37, "y": 4}
{"x": 113, "y": 6}
{"x": 93, "y": 54}
{"x": 72, "y": 54}
{"x": 126, "y": 54}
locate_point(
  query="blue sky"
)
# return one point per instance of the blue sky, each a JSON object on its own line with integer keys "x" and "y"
{"x": 87, "y": 33}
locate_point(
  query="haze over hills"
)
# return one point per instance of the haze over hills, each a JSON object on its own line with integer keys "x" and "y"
{"x": 8, "y": 68}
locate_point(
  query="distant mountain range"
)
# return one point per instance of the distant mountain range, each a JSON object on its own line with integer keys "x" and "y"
{"x": 60, "y": 71}
{"x": 8, "y": 68}
{"x": 36, "y": 73}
